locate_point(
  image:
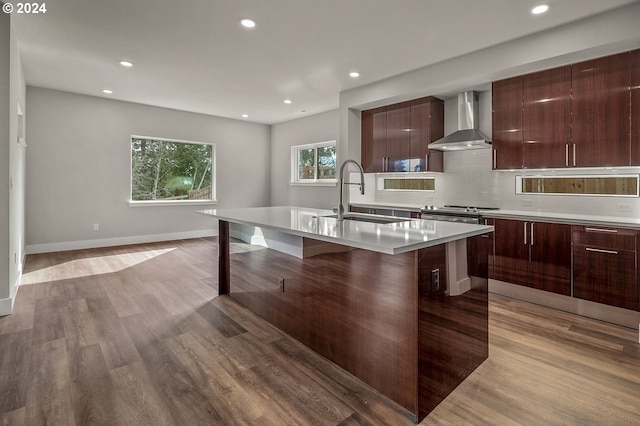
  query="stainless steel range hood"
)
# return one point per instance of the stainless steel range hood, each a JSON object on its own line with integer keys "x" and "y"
{"x": 467, "y": 136}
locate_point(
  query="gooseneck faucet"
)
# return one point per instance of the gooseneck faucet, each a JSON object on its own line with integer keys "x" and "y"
{"x": 342, "y": 183}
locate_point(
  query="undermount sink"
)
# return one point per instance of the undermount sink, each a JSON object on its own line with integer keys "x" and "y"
{"x": 371, "y": 219}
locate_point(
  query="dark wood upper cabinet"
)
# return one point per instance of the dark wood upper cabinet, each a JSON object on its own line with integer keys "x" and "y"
{"x": 635, "y": 107}
{"x": 507, "y": 123}
{"x": 546, "y": 97}
{"x": 601, "y": 111}
{"x": 374, "y": 140}
{"x": 398, "y": 130}
{"x": 394, "y": 134}
{"x": 427, "y": 125}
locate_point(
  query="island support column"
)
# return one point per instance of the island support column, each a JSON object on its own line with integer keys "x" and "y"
{"x": 224, "y": 268}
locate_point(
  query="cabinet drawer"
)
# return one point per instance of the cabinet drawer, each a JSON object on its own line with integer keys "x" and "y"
{"x": 604, "y": 237}
{"x": 605, "y": 276}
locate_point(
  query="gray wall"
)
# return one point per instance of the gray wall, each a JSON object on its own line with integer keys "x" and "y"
{"x": 78, "y": 170}
{"x": 5, "y": 47}
{"x": 12, "y": 166}
{"x": 315, "y": 128}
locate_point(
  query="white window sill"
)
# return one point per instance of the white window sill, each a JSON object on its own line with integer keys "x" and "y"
{"x": 314, "y": 183}
{"x": 159, "y": 203}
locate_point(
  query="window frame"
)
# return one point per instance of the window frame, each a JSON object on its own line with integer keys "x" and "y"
{"x": 295, "y": 181}
{"x": 520, "y": 191}
{"x": 165, "y": 202}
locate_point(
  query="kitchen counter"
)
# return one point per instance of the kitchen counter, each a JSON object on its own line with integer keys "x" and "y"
{"x": 393, "y": 238}
{"x": 375, "y": 299}
{"x": 568, "y": 218}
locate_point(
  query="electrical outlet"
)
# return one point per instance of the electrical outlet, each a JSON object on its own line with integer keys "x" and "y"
{"x": 96, "y": 226}
{"x": 435, "y": 280}
{"x": 281, "y": 284}
{"x": 528, "y": 202}
{"x": 625, "y": 207}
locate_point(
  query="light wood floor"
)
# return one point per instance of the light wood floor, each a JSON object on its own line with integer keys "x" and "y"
{"x": 137, "y": 335}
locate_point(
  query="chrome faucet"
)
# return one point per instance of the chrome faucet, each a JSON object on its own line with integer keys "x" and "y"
{"x": 342, "y": 183}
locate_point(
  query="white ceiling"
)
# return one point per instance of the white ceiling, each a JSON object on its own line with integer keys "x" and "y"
{"x": 193, "y": 55}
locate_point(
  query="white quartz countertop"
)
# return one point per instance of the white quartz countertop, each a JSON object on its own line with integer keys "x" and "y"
{"x": 569, "y": 218}
{"x": 391, "y": 238}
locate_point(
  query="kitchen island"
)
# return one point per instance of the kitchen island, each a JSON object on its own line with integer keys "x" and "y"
{"x": 371, "y": 297}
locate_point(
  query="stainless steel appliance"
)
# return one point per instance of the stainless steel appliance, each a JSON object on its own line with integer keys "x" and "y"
{"x": 449, "y": 213}
{"x": 467, "y": 136}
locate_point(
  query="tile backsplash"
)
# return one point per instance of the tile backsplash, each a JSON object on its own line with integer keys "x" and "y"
{"x": 469, "y": 180}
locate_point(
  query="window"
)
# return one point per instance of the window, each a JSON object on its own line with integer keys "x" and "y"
{"x": 407, "y": 184}
{"x": 593, "y": 185}
{"x": 171, "y": 171}
{"x": 314, "y": 163}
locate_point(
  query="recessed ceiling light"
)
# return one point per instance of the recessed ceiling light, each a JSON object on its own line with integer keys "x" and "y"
{"x": 540, "y": 9}
{"x": 107, "y": 91}
{"x": 245, "y": 115}
{"x": 248, "y": 23}
{"x": 127, "y": 64}
{"x": 354, "y": 74}
{"x": 287, "y": 101}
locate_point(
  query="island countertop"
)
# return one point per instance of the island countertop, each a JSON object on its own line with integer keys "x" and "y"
{"x": 389, "y": 238}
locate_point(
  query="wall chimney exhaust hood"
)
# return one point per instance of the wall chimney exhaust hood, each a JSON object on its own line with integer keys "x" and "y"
{"x": 467, "y": 136}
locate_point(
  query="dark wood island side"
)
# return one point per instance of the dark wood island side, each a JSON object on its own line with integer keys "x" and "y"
{"x": 379, "y": 316}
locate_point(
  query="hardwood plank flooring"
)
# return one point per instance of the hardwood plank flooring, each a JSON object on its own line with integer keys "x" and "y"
{"x": 138, "y": 335}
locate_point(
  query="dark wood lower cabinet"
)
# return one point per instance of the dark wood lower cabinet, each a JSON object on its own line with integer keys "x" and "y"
{"x": 605, "y": 276}
{"x": 550, "y": 261}
{"x": 605, "y": 266}
{"x": 533, "y": 254}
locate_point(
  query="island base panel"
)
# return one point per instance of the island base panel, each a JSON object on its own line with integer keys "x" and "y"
{"x": 377, "y": 316}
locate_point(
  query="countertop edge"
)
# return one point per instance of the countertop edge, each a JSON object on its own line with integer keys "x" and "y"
{"x": 357, "y": 244}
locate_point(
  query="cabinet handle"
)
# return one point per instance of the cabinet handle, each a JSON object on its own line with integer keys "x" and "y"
{"x": 531, "y": 233}
{"x": 566, "y": 154}
{"x": 426, "y": 162}
{"x": 610, "y": 231}
{"x": 574, "y": 155}
{"x": 495, "y": 161}
{"x": 601, "y": 250}
{"x": 525, "y": 233}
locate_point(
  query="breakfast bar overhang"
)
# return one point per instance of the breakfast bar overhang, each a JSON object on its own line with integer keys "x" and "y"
{"x": 381, "y": 300}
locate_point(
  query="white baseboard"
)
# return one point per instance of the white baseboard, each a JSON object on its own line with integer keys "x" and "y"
{"x": 118, "y": 241}
{"x": 6, "y": 305}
